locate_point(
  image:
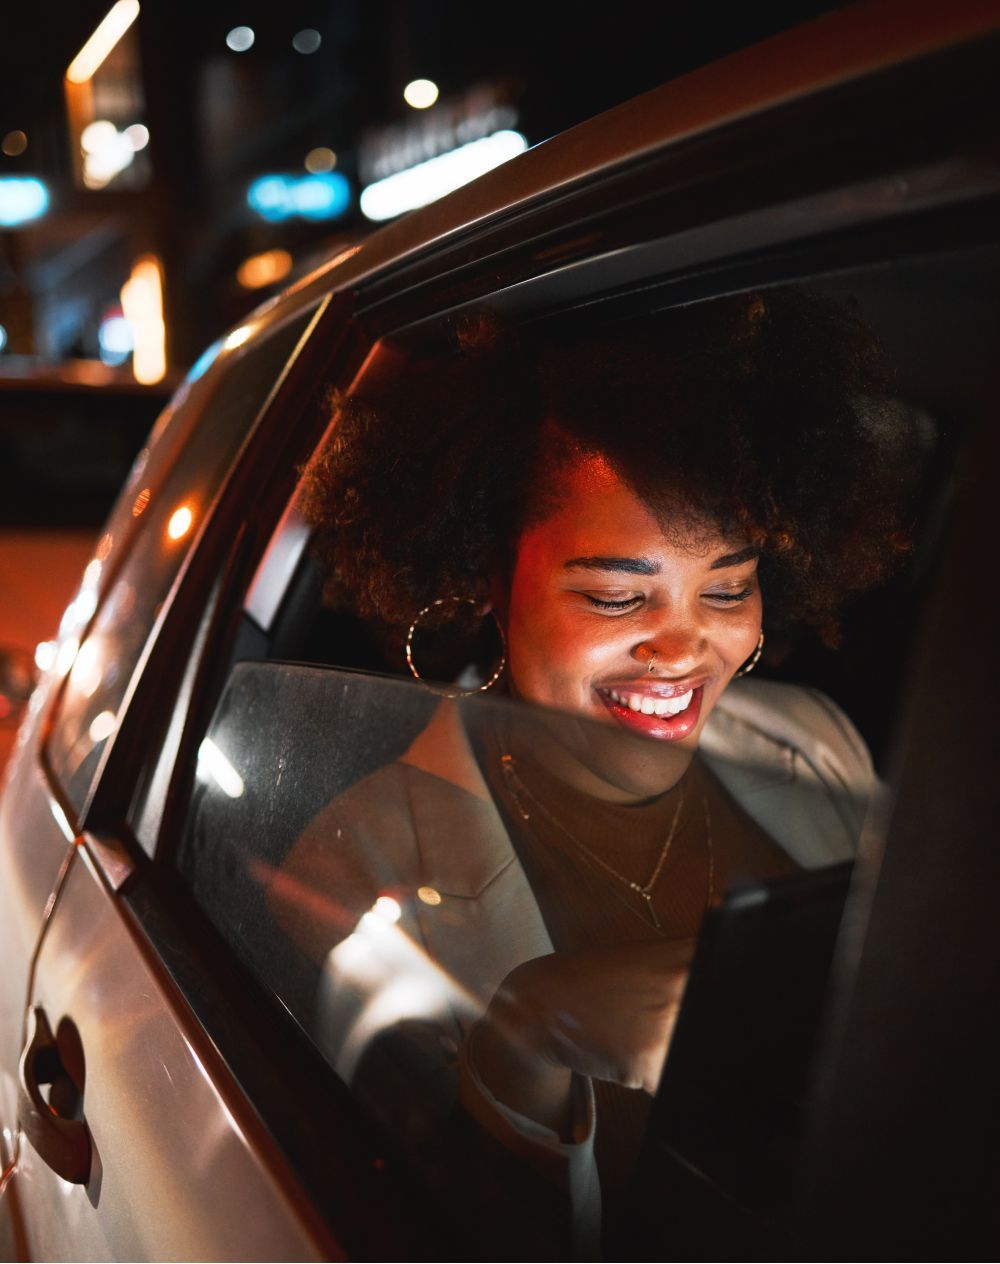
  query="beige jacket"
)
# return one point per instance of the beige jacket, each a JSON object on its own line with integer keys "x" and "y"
{"x": 426, "y": 827}
{"x": 423, "y": 836}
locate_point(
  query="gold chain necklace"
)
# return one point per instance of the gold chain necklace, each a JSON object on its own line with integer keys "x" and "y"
{"x": 645, "y": 890}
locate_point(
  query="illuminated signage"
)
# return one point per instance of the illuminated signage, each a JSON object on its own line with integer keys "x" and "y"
{"x": 22, "y": 198}
{"x": 427, "y": 181}
{"x": 323, "y": 196}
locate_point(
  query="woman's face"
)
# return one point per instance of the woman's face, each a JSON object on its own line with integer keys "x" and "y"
{"x": 598, "y": 588}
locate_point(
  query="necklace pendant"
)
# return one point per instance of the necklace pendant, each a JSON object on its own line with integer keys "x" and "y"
{"x": 648, "y": 897}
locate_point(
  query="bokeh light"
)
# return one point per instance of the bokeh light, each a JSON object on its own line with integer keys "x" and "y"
{"x": 264, "y": 269}
{"x": 22, "y": 198}
{"x": 180, "y": 523}
{"x": 14, "y": 143}
{"x": 137, "y": 136}
{"x": 240, "y": 39}
{"x": 45, "y": 655}
{"x": 387, "y": 908}
{"x": 102, "y": 725}
{"x": 111, "y": 28}
{"x": 320, "y": 159}
{"x": 142, "y": 303}
{"x": 420, "y": 93}
{"x": 306, "y": 41}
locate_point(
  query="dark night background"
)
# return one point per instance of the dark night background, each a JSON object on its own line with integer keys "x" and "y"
{"x": 217, "y": 119}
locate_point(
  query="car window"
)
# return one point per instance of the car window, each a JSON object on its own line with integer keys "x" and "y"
{"x": 165, "y": 507}
{"x": 349, "y": 833}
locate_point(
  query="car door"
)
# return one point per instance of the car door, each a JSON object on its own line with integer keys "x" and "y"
{"x": 110, "y": 1065}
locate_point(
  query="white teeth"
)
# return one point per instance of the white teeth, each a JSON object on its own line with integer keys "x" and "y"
{"x": 649, "y": 705}
{"x": 680, "y": 703}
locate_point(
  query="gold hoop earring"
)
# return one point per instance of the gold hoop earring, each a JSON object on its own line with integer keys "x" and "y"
{"x": 454, "y": 693}
{"x": 753, "y": 660}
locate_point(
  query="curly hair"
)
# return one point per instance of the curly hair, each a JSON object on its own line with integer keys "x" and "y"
{"x": 766, "y": 415}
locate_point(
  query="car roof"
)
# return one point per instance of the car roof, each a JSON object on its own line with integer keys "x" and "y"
{"x": 810, "y": 59}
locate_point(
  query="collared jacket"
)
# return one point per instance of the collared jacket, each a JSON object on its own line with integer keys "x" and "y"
{"x": 422, "y": 838}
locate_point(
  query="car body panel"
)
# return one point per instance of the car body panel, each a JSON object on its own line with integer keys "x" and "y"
{"x": 166, "y": 1139}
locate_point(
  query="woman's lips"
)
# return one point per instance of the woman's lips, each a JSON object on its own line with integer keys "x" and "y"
{"x": 637, "y": 709}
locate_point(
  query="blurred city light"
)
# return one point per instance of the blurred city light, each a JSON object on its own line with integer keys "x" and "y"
{"x": 45, "y": 655}
{"x": 240, "y": 39}
{"x": 320, "y": 159}
{"x": 388, "y": 908}
{"x": 112, "y": 27}
{"x": 22, "y": 198}
{"x": 3, "y": 338}
{"x": 114, "y": 339}
{"x": 264, "y": 269}
{"x": 306, "y": 41}
{"x": 66, "y": 655}
{"x": 237, "y": 338}
{"x": 102, "y": 725}
{"x": 427, "y": 181}
{"x": 180, "y": 523}
{"x": 15, "y": 143}
{"x": 325, "y": 195}
{"x": 204, "y": 361}
{"x": 420, "y": 93}
{"x": 107, "y": 151}
{"x": 142, "y": 303}
{"x": 137, "y": 136}
{"x": 87, "y": 668}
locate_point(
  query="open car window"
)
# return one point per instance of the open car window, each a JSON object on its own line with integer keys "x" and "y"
{"x": 382, "y": 858}
{"x": 379, "y": 858}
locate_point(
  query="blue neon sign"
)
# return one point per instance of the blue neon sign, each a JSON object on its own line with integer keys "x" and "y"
{"x": 326, "y": 195}
{"x": 22, "y": 198}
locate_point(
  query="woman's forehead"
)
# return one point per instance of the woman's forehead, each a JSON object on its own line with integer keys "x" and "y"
{"x": 594, "y": 510}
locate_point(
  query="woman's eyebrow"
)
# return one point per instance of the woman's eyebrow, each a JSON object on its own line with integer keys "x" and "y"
{"x": 624, "y": 565}
{"x": 735, "y": 559}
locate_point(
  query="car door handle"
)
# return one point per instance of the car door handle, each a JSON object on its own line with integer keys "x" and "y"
{"x": 56, "y": 1128}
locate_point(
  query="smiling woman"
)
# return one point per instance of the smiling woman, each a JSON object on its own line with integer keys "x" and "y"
{"x": 630, "y": 508}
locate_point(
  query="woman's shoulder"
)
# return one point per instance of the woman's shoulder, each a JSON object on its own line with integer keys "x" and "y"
{"x": 802, "y": 719}
{"x": 793, "y": 759}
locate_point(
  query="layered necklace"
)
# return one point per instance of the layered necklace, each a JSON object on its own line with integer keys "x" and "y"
{"x": 521, "y": 796}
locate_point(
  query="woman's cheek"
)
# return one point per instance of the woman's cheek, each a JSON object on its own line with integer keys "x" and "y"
{"x": 553, "y": 659}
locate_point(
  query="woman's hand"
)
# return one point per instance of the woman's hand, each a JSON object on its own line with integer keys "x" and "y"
{"x": 607, "y": 1013}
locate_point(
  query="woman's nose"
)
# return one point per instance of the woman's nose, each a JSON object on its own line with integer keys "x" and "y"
{"x": 672, "y": 652}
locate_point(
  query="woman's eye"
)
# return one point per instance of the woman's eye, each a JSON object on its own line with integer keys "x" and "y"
{"x": 728, "y": 597}
{"x": 604, "y": 603}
